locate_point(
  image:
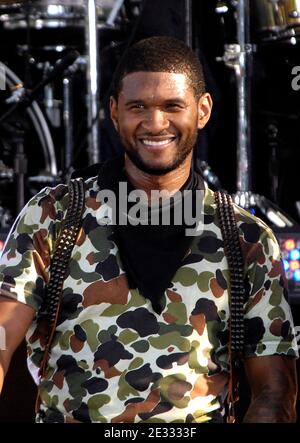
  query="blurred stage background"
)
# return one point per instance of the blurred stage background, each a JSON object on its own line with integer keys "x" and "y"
{"x": 55, "y": 130}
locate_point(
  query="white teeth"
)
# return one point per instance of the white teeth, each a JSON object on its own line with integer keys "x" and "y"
{"x": 156, "y": 143}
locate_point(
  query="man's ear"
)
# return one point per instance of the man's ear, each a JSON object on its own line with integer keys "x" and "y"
{"x": 113, "y": 105}
{"x": 204, "y": 109}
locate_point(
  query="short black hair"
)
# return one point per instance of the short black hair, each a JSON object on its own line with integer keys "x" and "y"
{"x": 161, "y": 54}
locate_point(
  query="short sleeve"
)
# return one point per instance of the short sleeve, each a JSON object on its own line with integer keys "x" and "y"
{"x": 269, "y": 328}
{"x": 25, "y": 261}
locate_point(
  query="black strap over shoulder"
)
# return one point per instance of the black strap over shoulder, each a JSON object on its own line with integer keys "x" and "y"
{"x": 233, "y": 252}
{"x": 64, "y": 246}
{"x": 61, "y": 257}
{"x": 232, "y": 248}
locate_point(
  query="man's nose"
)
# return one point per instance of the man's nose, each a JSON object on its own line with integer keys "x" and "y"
{"x": 155, "y": 121}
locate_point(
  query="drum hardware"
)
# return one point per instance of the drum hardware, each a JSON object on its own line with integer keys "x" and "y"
{"x": 294, "y": 14}
{"x": 92, "y": 72}
{"x": 5, "y": 219}
{"x": 114, "y": 13}
{"x": 53, "y": 14}
{"x": 38, "y": 121}
{"x": 188, "y": 23}
{"x": 5, "y": 172}
{"x": 221, "y": 7}
{"x": 239, "y": 58}
{"x": 93, "y": 75}
{"x": 210, "y": 177}
{"x": 2, "y": 77}
{"x": 68, "y": 120}
{"x": 272, "y": 140}
{"x": 298, "y": 208}
{"x": 276, "y": 19}
{"x": 7, "y": 176}
{"x": 90, "y": 16}
{"x": 22, "y": 99}
{"x": 20, "y": 166}
{"x": 52, "y": 106}
{"x": 18, "y": 92}
{"x": 54, "y": 111}
{"x": 16, "y": 134}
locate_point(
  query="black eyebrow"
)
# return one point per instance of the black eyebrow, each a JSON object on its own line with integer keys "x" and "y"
{"x": 177, "y": 100}
{"x": 134, "y": 102}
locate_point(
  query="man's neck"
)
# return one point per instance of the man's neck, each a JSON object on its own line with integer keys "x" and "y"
{"x": 170, "y": 182}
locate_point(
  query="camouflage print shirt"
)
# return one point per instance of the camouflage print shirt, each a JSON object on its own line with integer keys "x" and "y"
{"x": 113, "y": 358}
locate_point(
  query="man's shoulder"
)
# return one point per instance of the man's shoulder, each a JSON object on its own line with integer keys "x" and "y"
{"x": 59, "y": 193}
{"x": 249, "y": 225}
{"x": 56, "y": 198}
{"x": 48, "y": 196}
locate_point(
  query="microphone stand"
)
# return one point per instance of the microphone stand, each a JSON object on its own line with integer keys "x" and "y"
{"x": 93, "y": 74}
{"x": 68, "y": 119}
{"x": 239, "y": 58}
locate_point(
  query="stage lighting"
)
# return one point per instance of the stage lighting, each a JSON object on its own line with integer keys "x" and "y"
{"x": 289, "y": 241}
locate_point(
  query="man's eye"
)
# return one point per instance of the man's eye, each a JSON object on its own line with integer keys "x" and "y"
{"x": 137, "y": 106}
{"x": 174, "y": 107}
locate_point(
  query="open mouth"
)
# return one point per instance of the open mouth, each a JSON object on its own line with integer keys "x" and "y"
{"x": 156, "y": 143}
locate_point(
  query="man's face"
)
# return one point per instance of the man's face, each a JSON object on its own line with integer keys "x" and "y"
{"x": 157, "y": 116}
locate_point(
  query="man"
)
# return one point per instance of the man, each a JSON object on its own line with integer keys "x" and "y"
{"x": 143, "y": 328}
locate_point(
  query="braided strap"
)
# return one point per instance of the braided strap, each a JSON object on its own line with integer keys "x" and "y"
{"x": 60, "y": 260}
{"x": 233, "y": 252}
{"x": 64, "y": 246}
{"x": 234, "y": 256}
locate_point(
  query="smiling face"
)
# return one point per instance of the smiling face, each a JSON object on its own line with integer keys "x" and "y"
{"x": 157, "y": 116}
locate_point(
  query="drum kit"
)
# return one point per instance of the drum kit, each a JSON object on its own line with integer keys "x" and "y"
{"x": 276, "y": 19}
{"x": 49, "y": 89}
{"x": 39, "y": 132}
{"x": 267, "y": 27}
